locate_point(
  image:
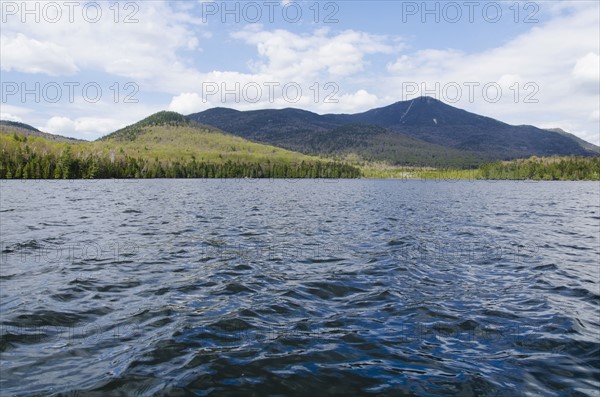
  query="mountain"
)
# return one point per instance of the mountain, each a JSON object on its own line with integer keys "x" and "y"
{"x": 132, "y": 132}
{"x": 164, "y": 145}
{"x": 434, "y": 121}
{"x": 273, "y": 126}
{"x": 584, "y": 144}
{"x": 170, "y": 145}
{"x": 15, "y": 127}
{"x": 336, "y": 135}
{"x": 171, "y": 136}
{"x": 423, "y": 130}
{"x": 377, "y": 144}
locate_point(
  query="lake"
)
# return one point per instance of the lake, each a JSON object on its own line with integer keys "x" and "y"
{"x": 299, "y": 287}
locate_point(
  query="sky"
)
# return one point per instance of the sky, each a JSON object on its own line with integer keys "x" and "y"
{"x": 85, "y": 69}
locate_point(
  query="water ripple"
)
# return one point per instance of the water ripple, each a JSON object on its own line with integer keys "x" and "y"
{"x": 200, "y": 288}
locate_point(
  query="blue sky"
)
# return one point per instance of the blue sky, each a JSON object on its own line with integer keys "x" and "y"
{"x": 84, "y": 69}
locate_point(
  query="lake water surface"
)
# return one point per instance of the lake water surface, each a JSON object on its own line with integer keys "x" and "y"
{"x": 283, "y": 287}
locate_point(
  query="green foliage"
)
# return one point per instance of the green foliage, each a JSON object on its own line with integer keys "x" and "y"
{"x": 534, "y": 168}
{"x": 375, "y": 144}
{"x": 39, "y": 158}
{"x": 193, "y": 151}
{"x": 548, "y": 169}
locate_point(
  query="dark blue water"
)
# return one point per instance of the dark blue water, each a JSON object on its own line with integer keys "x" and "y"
{"x": 182, "y": 288}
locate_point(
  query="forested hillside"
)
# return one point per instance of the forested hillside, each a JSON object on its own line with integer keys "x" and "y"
{"x": 159, "y": 147}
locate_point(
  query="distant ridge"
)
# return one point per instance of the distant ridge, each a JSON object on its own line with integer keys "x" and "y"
{"x": 17, "y": 124}
{"x": 583, "y": 143}
{"x": 442, "y": 130}
{"x": 421, "y": 132}
{"x": 11, "y": 127}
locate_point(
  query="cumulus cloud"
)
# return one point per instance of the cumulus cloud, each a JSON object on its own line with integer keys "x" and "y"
{"x": 17, "y": 113}
{"x": 27, "y": 55}
{"x": 60, "y": 125}
{"x": 587, "y": 68}
{"x": 187, "y": 103}
{"x": 10, "y": 117}
{"x": 289, "y": 55}
{"x": 154, "y": 37}
{"x": 353, "y": 102}
{"x": 87, "y": 127}
{"x": 160, "y": 53}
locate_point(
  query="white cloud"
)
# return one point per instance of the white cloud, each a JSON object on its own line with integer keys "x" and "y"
{"x": 10, "y": 117}
{"x": 60, "y": 126}
{"x": 289, "y": 56}
{"x": 143, "y": 51}
{"x": 587, "y": 68}
{"x": 88, "y": 127}
{"x": 151, "y": 57}
{"x": 559, "y": 57}
{"x": 187, "y": 103}
{"x": 427, "y": 61}
{"x": 16, "y": 111}
{"x": 23, "y": 54}
{"x": 354, "y": 102}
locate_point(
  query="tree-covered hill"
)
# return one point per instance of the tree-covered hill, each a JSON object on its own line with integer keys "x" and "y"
{"x": 164, "y": 118}
{"x": 164, "y": 145}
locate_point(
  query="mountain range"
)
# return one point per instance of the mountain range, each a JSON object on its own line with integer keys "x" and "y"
{"x": 422, "y": 132}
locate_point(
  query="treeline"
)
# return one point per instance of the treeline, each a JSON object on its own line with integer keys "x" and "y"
{"x": 548, "y": 169}
{"x": 27, "y": 164}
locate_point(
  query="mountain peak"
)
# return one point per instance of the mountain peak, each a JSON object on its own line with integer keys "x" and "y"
{"x": 164, "y": 117}
{"x": 424, "y": 119}
{"x": 425, "y": 99}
